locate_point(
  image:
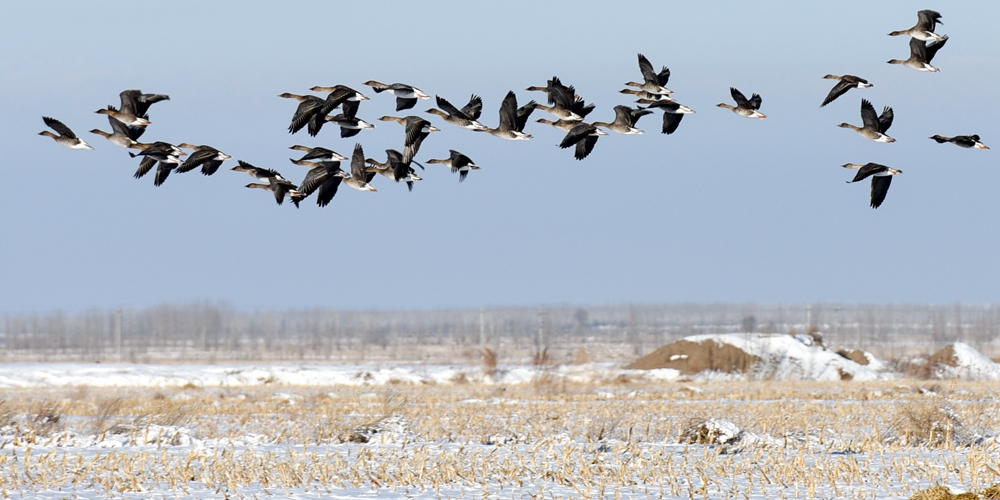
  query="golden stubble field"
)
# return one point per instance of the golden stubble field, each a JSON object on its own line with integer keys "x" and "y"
{"x": 554, "y": 439}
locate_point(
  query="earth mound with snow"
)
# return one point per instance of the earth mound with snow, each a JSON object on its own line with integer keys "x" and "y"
{"x": 763, "y": 356}
{"x": 961, "y": 361}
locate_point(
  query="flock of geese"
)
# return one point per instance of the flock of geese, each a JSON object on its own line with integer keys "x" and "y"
{"x": 129, "y": 122}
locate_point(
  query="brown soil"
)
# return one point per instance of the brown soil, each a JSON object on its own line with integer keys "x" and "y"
{"x": 694, "y": 357}
{"x": 856, "y": 355}
{"x": 945, "y": 356}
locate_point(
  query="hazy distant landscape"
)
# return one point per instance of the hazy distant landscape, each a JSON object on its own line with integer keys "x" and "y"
{"x": 208, "y": 332}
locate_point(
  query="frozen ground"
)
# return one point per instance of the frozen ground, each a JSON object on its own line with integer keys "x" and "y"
{"x": 583, "y": 431}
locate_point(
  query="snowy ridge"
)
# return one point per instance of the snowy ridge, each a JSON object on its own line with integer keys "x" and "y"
{"x": 970, "y": 364}
{"x": 791, "y": 357}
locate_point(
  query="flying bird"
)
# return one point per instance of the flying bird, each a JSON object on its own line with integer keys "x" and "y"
{"x": 965, "y": 141}
{"x": 844, "y": 83}
{"x": 467, "y": 117}
{"x": 744, "y": 107}
{"x": 873, "y": 126}
{"x": 458, "y": 162}
{"x": 927, "y": 20}
{"x": 653, "y": 82}
{"x": 921, "y": 55}
{"x": 406, "y": 95}
{"x": 584, "y": 136}
{"x": 66, "y": 136}
{"x": 417, "y": 129}
{"x": 881, "y": 178}
{"x": 206, "y": 157}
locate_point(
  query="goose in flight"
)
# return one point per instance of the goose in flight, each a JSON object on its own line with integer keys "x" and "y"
{"x": 744, "y": 107}
{"x": 466, "y": 117}
{"x": 318, "y": 153}
{"x": 625, "y": 118}
{"x": 881, "y": 178}
{"x": 512, "y": 119}
{"x": 921, "y": 55}
{"x": 673, "y": 112}
{"x": 458, "y": 162}
{"x": 406, "y": 95}
{"x": 965, "y": 141}
{"x": 927, "y": 20}
{"x": 653, "y": 82}
{"x": 66, "y": 136}
{"x": 584, "y": 136}
{"x": 844, "y": 83}
{"x": 417, "y": 129}
{"x": 207, "y": 157}
{"x": 394, "y": 168}
{"x": 873, "y": 126}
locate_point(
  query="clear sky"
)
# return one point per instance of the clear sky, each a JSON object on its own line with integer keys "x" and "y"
{"x": 725, "y": 209}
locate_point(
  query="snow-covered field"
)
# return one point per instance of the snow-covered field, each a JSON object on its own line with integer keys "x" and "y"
{"x": 72, "y": 430}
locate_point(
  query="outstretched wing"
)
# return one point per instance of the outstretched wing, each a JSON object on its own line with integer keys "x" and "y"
{"x": 880, "y": 186}
{"x": 838, "y": 90}
{"x": 58, "y": 126}
{"x": 885, "y": 119}
{"x": 671, "y": 121}
{"x": 741, "y": 100}
{"x": 474, "y": 108}
{"x": 869, "y": 118}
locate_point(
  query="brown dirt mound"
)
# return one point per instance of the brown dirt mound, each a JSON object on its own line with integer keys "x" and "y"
{"x": 694, "y": 357}
{"x": 992, "y": 492}
{"x": 945, "y": 356}
{"x": 856, "y": 355}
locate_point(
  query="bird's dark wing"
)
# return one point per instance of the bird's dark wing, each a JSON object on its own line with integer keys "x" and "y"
{"x": 358, "y": 161}
{"x": 404, "y": 103}
{"x": 348, "y": 132}
{"x": 522, "y": 115}
{"x": 663, "y": 76}
{"x": 838, "y": 90}
{"x": 584, "y": 147}
{"x": 414, "y": 137}
{"x": 314, "y": 178}
{"x": 880, "y": 186}
{"x": 304, "y": 113}
{"x": 328, "y": 190}
{"x": 144, "y": 166}
{"x": 671, "y": 121}
{"x": 449, "y": 108}
{"x": 162, "y": 171}
{"x": 867, "y": 170}
{"x": 918, "y": 50}
{"x": 755, "y": 101}
{"x": 885, "y": 119}
{"x": 210, "y": 167}
{"x": 741, "y": 100}
{"x": 934, "y": 47}
{"x": 581, "y": 108}
{"x": 129, "y": 100}
{"x": 195, "y": 159}
{"x": 869, "y": 118}
{"x": 58, "y": 126}
{"x": 508, "y": 112}
{"x": 648, "y": 73}
{"x": 576, "y": 134}
{"x": 474, "y": 108}
{"x": 350, "y": 108}
{"x": 927, "y": 20}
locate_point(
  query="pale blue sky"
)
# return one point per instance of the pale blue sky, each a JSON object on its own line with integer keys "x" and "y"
{"x": 726, "y": 209}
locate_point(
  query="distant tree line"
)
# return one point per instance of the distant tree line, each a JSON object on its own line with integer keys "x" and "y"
{"x": 215, "y": 332}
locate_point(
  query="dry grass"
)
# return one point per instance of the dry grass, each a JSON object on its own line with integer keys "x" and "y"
{"x": 815, "y": 438}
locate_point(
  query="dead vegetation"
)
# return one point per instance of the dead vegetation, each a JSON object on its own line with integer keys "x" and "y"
{"x": 853, "y": 437}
